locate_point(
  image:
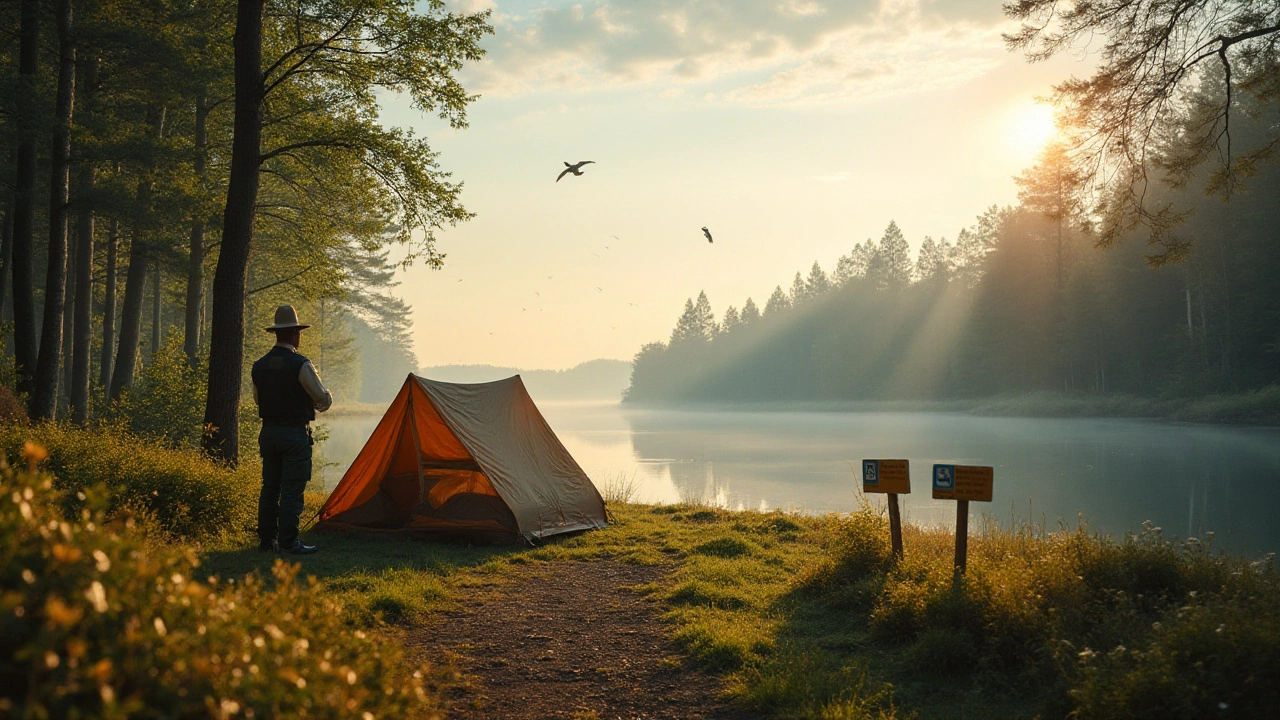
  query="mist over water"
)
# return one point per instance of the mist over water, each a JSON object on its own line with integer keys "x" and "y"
{"x": 1113, "y": 474}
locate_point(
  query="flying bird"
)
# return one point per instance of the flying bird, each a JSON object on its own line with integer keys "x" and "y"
{"x": 599, "y": 289}
{"x": 707, "y": 232}
{"x": 575, "y": 168}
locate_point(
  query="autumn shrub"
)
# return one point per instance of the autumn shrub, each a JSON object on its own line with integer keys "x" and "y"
{"x": 94, "y": 623}
{"x": 187, "y": 494}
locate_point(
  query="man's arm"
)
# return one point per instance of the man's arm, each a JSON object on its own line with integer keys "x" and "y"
{"x": 311, "y": 383}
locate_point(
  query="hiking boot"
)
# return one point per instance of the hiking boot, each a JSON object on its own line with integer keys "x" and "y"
{"x": 299, "y": 549}
{"x": 269, "y": 546}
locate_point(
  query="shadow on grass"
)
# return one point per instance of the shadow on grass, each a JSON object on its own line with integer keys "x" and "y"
{"x": 377, "y": 579}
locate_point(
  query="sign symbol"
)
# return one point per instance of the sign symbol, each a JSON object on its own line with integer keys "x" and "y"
{"x": 870, "y": 471}
{"x": 943, "y": 477}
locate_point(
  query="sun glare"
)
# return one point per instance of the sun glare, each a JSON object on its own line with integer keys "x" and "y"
{"x": 1030, "y": 126}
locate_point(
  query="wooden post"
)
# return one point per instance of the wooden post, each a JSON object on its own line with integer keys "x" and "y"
{"x": 895, "y": 525}
{"x": 962, "y": 535}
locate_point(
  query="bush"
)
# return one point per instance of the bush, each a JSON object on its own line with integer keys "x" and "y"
{"x": 186, "y": 493}
{"x": 12, "y": 409}
{"x": 166, "y": 403}
{"x": 94, "y": 623}
{"x": 1140, "y": 627}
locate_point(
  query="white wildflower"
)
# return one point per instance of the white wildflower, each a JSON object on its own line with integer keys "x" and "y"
{"x": 97, "y": 596}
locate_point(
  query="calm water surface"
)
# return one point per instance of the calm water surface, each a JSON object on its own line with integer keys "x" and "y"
{"x": 1114, "y": 474}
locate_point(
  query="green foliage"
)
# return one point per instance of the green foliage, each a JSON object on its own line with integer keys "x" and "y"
{"x": 166, "y": 403}
{"x": 1048, "y": 611}
{"x": 183, "y": 491}
{"x": 94, "y": 623}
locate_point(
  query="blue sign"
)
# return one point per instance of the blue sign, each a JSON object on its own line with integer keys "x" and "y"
{"x": 944, "y": 477}
{"x": 870, "y": 472}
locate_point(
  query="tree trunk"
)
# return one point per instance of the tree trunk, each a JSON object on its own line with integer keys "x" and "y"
{"x": 135, "y": 281}
{"x": 24, "y": 210}
{"x": 44, "y": 402}
{"x": 68, "y": 320}
{"x": 6, "y": 258}
{"x": 82, "y": 336}
{"x": 156, "y": 331}
{"x": 130, "y": 318}
{"x": 195, "y": 266}
{"x": 109, "y": 305}
{"x": 82, "y": 339}
{"x": 226, "y": 339}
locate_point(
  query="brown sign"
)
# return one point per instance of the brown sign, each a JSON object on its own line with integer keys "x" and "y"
{"x": 886, "y": 476}
{"x": 963, "y": 482}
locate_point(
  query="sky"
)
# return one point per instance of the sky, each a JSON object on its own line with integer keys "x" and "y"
{"x": 791, "y": 129}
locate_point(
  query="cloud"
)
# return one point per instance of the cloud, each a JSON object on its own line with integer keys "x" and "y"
{"x": 854, "y": 67}
{"x": 760, "y": 51}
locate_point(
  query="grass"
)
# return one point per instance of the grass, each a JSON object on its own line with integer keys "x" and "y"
{"x": 812, "y": 617}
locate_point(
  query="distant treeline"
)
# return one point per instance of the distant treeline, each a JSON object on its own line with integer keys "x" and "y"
{"x": 1021, "y": 302}
{"x": 599, "y": 379}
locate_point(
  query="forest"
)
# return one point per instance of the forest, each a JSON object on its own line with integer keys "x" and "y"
{"x": 172, "y": 171}
{"x": 1045, "y": 295}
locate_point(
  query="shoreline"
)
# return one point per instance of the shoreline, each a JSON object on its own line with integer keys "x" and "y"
{"x": 1259, "y": 408}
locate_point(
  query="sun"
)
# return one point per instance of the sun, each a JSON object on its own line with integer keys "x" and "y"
{"x": 1029, "y": 126}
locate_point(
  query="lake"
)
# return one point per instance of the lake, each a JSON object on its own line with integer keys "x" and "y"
{"x": 1112, "y": 474}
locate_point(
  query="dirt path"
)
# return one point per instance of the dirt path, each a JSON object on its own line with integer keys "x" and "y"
{"x": 567, "y": 640}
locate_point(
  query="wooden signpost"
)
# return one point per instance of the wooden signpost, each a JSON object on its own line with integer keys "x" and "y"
{"x": 891, "y": 477}
{"x": 962, "y": 483}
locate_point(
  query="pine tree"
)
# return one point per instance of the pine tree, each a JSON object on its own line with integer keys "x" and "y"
{"x": 778, "y": 302}
{"x": 1052, "y": 189}
{"x": 817, "y": 284}
{"x": 934, "y": 260}
{"x": 697, "y": 323}
{"x": 750, "y": 313}
{"x": 890, "y": 263}
{"x": 707, "y": 325}
{"x": 731, "y": 319}
{"x": 799, "y": 291}
{"x": 854, "y": 265}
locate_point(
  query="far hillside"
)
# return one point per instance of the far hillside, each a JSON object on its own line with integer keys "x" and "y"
{"x": 592, "y": 380}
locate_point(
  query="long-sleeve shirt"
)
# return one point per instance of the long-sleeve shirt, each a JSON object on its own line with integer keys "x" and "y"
{"x": 310, "y": 380}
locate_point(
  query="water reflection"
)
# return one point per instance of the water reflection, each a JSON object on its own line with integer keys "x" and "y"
{"x": 1113, "y": 473}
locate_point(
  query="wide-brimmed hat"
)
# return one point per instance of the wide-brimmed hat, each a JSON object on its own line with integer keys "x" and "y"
{"x": 286, "y": 319}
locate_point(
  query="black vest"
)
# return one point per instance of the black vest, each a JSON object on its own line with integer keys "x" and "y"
{"x": 281, "y": 397}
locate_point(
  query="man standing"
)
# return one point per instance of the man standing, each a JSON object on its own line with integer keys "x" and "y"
{"x": 288, "y": 392}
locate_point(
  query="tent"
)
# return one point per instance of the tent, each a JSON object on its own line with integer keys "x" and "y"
{"x": 473, "y": 460}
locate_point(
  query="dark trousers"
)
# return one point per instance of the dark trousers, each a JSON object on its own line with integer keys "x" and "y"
{"x": 286, "y": 469}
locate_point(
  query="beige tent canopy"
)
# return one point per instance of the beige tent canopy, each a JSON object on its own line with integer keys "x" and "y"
{"x": 476, "y": 460}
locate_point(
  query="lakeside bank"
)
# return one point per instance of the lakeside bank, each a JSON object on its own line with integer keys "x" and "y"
{"x": 1253, "y": 408}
